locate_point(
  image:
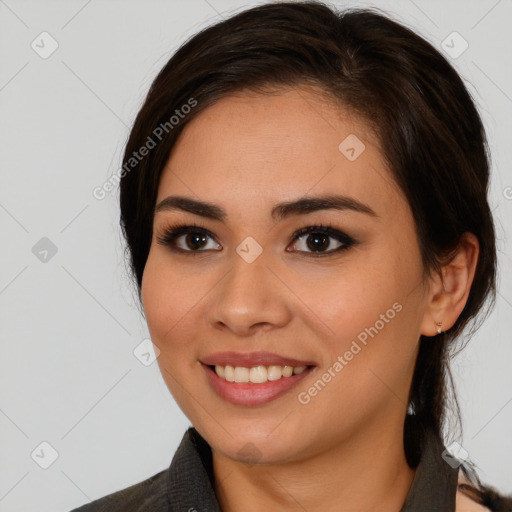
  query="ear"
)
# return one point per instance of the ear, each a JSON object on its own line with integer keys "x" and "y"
{"x": 448, "y": 293}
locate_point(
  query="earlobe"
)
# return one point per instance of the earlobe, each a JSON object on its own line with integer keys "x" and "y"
{"x": 449, "y": 290}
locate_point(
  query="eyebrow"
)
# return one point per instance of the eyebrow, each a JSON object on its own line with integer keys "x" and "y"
{"x": 280, "y": 211}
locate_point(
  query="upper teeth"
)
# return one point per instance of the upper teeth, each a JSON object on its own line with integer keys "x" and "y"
{"x": 256, "y": 374}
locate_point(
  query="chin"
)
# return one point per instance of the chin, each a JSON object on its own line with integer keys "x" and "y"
{"x": 265, "y": 443}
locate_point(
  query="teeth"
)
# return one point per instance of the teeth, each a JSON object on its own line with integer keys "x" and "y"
{"x": 241, "y": 374}
{"x": 274, "y": 372}
{"x": 229, "y": 373}
{"x": 256, "y": 374}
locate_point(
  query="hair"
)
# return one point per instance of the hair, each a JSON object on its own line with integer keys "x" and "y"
{"x": 430, "y": 132}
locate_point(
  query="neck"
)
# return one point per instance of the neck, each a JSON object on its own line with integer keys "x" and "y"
{"x": 367, "y": 472}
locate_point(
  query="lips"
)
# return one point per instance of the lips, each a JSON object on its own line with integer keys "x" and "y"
{"x": 249, "y": 359}
{"x": 249, "y": 394}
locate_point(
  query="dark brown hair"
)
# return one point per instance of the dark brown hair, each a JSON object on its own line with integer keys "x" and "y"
{"x": 432, "y": 137}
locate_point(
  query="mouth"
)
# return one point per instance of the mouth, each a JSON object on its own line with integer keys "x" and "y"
{"x": 256, "y": 374}
{"x": 254, "y": 385}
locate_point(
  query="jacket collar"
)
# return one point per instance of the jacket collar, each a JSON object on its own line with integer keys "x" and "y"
{"x": 190, "y": 479}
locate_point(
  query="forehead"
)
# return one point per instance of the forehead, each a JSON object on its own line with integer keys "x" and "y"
{"x": 280, "y": 146}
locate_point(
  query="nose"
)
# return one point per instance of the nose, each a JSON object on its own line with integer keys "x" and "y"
{"x": 249, "y": 298}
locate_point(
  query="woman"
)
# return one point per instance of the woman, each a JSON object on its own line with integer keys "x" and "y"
{"x": 304, "y": 200}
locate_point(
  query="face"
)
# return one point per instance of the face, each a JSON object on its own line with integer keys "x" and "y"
{"x": 343, "y": 297}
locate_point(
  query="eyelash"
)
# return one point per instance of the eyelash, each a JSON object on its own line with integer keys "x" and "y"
{"x": 172, "y": 232}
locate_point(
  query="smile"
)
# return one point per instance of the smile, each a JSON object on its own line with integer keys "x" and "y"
{"x": 254, "y": 386}
{"x": 256, "y": 374}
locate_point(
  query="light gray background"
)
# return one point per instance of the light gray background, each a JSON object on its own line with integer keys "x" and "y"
{"x": 69, "y": 326}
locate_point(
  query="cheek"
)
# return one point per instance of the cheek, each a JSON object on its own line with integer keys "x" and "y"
{"x": 370, "y": 317}
{"x": 168, "y": 296}
{"x": 345, "y": 299}
{"x": 369, "y": 360}
{"x": 155, "y": 288}
{"x": 367, "y": 331}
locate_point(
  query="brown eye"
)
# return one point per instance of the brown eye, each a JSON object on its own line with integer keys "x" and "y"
{"x": 195, "y": 240}
{"x": 312, "y": 240}
{"x": 320, "y": 240}
{"x": 189, "y": 239}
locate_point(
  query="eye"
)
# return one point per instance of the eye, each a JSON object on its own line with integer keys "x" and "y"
{"x": 319, "y": 240}
{"x": 189, "y": 239}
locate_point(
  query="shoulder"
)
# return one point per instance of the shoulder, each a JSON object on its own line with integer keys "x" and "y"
{"x": 463, "y": 503}
{"x": 148, "y": 495}
{"x": 468, "y": 499}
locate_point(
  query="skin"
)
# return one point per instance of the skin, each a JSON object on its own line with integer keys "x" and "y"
{"x": 343, "y": 450}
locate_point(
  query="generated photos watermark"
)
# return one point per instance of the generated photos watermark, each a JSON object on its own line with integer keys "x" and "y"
{"x": 304, "y": 397}
{"x": 157, "y": 135}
